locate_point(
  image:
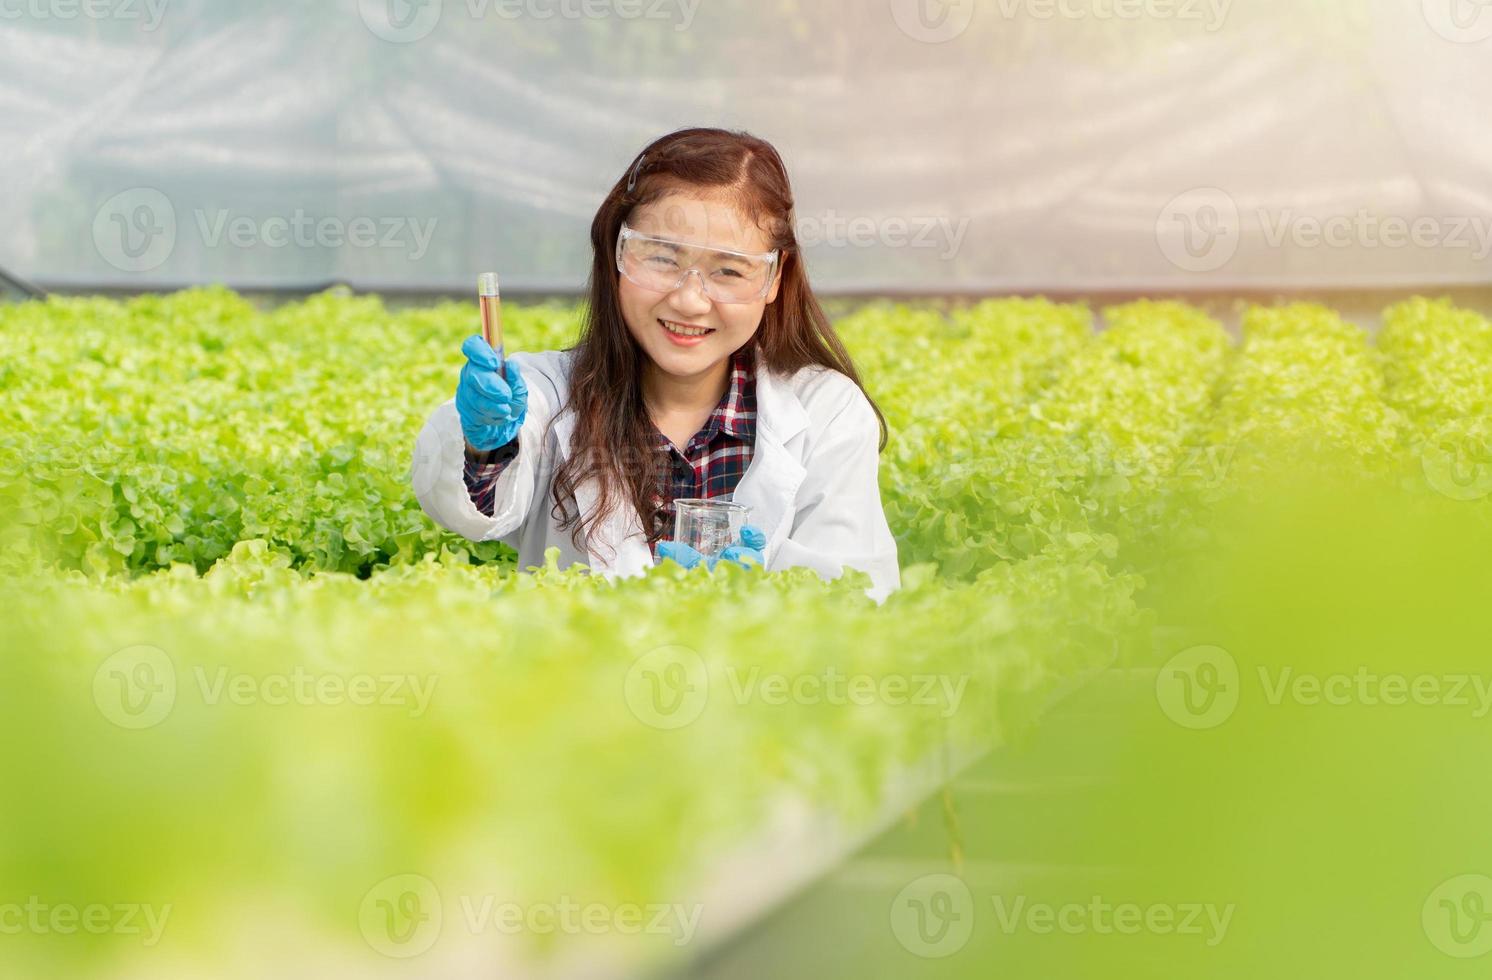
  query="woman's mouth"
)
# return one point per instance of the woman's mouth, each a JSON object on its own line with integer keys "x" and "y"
{"x": 684, "y": 334}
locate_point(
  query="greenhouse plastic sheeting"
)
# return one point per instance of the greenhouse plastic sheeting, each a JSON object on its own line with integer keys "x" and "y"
{"x": 981, "y": 145}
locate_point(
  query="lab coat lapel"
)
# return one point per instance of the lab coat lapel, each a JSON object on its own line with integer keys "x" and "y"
{"x": 771, "y": 480}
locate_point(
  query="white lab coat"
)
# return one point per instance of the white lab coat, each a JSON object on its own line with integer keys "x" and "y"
{"x": 811, "y": 484}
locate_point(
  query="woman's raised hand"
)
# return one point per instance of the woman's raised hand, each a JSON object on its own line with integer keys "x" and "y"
{"x": 491, "y": 405}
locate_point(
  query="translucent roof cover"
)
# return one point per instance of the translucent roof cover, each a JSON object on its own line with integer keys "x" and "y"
{"x": 994, "y": 146}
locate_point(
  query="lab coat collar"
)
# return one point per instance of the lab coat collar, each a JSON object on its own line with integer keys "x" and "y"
{"x": 767, "y": 487}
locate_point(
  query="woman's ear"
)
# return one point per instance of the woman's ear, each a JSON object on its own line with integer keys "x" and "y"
{"x": 776, "y": 283}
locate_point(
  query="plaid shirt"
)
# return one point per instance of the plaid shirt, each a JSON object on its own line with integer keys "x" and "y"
{"x": 710, "y": 465}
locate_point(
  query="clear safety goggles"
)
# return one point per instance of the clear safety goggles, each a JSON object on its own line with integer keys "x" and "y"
{"x": 662, "y": 265}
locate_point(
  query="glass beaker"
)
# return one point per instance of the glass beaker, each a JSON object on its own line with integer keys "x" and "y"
{"x": 708, "y": 526}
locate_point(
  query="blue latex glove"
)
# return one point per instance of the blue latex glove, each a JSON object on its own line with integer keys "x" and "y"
{"x": 746, "y": 551}
{"x": 491, "y": 406}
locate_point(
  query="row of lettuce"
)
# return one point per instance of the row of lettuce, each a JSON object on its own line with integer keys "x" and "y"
{"x": 169, "y": 428}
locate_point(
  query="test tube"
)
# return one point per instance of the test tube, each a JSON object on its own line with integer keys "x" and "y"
{"x": 492, "y": 315}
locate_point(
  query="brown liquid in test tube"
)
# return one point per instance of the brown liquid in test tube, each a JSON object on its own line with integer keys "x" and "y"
{"x": 492, "y": 316}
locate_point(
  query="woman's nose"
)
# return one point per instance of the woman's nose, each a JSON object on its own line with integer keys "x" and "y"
{"x": 692, "y": 297}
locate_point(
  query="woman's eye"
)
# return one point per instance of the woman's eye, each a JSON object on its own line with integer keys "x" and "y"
{"x": 730, "y": 272}
{"x": 661, "y": 261}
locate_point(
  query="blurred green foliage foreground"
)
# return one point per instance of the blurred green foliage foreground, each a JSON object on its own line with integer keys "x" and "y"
{"x": 263, "y": 716}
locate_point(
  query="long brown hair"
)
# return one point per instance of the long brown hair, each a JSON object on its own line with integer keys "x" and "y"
{"x": 614, "y": 435}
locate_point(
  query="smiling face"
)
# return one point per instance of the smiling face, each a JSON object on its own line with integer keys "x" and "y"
{"x": 698, "y": 221}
